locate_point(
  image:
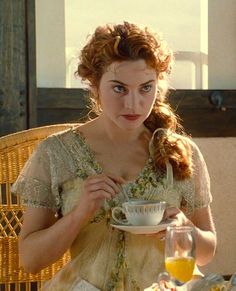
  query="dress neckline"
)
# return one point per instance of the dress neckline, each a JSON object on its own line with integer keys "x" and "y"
{"x": 93, "y": 157}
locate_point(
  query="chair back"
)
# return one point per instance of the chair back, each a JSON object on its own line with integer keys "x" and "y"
{"x": 15, "y": 150}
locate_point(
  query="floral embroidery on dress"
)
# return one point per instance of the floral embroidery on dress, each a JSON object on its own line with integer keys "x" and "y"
{"x": 146, "y": 183}
{"x": 87, "y": 158}
{"x": 115, "y": 275}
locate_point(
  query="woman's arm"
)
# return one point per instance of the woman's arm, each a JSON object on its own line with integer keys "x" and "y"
{"x": 205, "y": 234}
{"x": 44, "y": 239}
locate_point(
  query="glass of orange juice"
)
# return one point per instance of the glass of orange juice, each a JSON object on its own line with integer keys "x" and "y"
{"x": 180, "y": 252}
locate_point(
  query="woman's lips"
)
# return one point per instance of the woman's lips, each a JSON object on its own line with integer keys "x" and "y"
{"x": 131, "y": 116}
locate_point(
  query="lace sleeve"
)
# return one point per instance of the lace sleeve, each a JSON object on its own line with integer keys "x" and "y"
{"x": 34, "y": 183}
{"x": 202, "y": 195}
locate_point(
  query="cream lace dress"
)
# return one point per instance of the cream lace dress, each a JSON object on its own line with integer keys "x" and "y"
{"x": 106, "y": 258}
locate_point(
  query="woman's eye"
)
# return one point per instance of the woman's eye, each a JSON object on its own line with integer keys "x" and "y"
{"x": 146, "y": 88}
{"x": 119, "y": 89}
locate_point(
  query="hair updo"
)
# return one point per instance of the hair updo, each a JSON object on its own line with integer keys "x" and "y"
{"x": 122, "y": 42}
{"x": 128, "y": 42}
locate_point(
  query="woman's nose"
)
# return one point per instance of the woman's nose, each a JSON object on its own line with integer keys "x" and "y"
{"x": 131, "y": 100}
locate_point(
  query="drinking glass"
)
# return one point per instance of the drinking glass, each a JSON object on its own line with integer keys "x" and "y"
{"x": 180, "y": 252}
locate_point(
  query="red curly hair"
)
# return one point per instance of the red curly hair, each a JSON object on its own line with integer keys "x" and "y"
{"x": 124, "y": 42}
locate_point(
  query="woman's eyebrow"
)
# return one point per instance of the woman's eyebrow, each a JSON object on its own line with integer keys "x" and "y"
{"x": 150, "y": 81}
{"x": 121, "y": 83}
{"x": 118, "y": 82}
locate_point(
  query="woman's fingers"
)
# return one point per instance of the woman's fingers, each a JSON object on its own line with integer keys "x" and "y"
{"x": 101, "y": 194}
{"x": 117, "y": 179}
{"x": 103, "y": 182}
{"x": 102, "y": 186}
{"x": 179, "y": 217}
{"x": 96, "y": 189}
{"x": 171, "y": 212}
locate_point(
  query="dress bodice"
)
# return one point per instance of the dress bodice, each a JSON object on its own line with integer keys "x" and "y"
{"x": 107, "y": 258}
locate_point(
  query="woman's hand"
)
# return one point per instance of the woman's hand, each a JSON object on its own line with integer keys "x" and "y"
{"x": 96, "y": 189}
{"x": 178, "y": 217}
{"x": 204, "y": 230}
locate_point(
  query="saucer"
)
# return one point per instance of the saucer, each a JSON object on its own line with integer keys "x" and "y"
{"x": 144, "y": 229}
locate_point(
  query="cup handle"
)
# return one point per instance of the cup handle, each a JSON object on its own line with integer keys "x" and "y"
{"x": 113, "y": 213}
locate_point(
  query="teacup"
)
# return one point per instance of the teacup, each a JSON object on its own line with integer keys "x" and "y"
{"x": 140, "y": 212}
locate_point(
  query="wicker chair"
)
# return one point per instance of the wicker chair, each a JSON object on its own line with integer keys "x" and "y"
{"x": 15, "y": 149}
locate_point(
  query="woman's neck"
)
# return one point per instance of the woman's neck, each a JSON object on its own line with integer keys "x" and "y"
{"x": 118, "y": 135}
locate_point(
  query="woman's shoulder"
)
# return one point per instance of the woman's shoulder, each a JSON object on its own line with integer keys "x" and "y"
{"x": 62, "y": 136}
{"x": 69, "y": 143}
{"x": 89, "y": 129}
{"x": 56, "y": 143}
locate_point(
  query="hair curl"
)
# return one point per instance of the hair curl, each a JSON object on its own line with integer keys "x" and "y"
{"x": 122, "y": 42}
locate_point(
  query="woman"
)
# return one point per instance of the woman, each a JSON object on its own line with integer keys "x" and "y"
{"x": 82, "y": 173}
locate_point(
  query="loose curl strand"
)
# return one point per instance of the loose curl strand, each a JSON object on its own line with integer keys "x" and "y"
{"x": 127, "y": 42}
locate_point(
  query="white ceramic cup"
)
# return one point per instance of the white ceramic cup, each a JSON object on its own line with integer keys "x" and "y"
{"x": 140, "y": 212}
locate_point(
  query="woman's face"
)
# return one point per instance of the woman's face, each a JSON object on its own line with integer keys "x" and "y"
{"x": 127, "y": 93}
